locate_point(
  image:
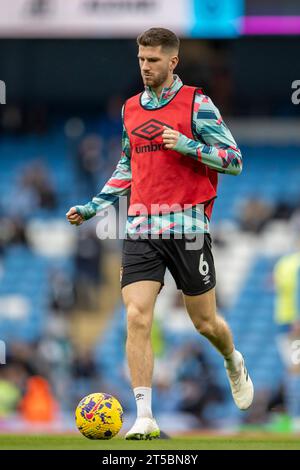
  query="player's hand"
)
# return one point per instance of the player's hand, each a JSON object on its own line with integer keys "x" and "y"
{"x": 73, "y": 217}
{"x": 170, "y": 137}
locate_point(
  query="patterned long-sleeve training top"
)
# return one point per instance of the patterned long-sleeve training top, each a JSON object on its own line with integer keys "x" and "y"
{"x": 214, "y": 147}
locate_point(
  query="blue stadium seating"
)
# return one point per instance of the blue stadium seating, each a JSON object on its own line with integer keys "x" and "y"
{"x": 25, "y": 273}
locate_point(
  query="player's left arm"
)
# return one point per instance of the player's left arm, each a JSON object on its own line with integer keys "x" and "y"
{"x": 215, "y": 145}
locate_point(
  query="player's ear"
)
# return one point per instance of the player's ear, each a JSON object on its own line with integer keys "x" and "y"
{"x": 174, "y": 62}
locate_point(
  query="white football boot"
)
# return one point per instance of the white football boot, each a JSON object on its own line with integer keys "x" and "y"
{"x": 241, "y": 386}
{"x": 143, "y": 429}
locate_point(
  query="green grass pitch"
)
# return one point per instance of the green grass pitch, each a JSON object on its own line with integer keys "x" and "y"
{"x": 200, "y": 442}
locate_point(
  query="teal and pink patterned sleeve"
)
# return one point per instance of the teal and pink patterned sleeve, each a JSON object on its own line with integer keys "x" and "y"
{"x": 215, "y": 145}
{"x": 118, "y": 185}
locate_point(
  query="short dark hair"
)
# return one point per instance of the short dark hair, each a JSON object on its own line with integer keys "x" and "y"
{"x": 154, "y": 37}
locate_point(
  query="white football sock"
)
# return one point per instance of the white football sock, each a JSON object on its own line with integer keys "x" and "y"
{"x": 143, "y": 396}
{"x": 233, "y": 361}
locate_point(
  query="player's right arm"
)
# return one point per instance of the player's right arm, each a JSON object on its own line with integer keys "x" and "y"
{"x": 118, "y": 185}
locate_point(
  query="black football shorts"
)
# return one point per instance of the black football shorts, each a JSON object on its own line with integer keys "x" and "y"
{"x": 147, "y": 259}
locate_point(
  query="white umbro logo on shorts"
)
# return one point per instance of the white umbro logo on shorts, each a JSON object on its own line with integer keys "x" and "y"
{"x": 206, "y": 279}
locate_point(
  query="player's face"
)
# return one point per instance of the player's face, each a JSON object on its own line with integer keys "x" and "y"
{"x": 156, "y": 65}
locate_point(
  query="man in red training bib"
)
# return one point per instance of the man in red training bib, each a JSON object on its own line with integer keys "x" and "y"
{"x": 174, "y": 145}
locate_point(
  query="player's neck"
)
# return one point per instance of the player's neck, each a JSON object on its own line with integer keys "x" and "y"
{"x": 167, "y": 84}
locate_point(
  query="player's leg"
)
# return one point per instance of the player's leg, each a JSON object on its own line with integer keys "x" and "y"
{"x": 139, "y": 299}
{"x": 203, "y": 313}
{"x": 288, "y": 343}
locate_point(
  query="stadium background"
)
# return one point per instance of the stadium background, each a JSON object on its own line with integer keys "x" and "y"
{"x": 61, "y": 315}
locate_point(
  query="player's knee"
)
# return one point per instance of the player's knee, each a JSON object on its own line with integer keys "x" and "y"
{"x": 205, "y": 328}
{"x": 138, "y": 319}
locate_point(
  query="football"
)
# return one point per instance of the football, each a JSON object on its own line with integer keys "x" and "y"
{"x": 99, "y": 416}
